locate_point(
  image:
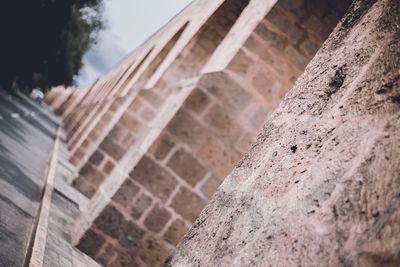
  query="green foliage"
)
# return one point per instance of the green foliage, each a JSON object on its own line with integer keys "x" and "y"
{"x": 43, "y": 41}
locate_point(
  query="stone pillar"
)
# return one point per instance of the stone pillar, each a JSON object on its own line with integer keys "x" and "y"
{"x": 321, "y": 184}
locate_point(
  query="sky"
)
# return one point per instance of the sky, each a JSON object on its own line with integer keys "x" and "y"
{"x": 128, "y": 24}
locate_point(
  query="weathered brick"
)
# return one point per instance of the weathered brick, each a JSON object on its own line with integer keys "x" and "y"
{"x": 270, "y": 37}
{"x": 107, "y": 255}
{"x": 118, "y": 132}
{"x": 84, "y": 187}
{"x": 112, "y": 148}
{"x": 153, "y": 252}
{"x": 154, "y": 178}
{"x": 273, "y": 60}
{"x": 293, "y": 8}
{"x": 317, "y": 27}
{"x": 284, "y": 25}
{"x": 187, "y": 167}
{"x": 151, "y": 97}
{"x": 130, "y": 235}
{"x": 188, "y": 204}
{"x": 130, "y": 122}
{"x": 162, "y": 146}
{"x": 126, "y": 193}
{"x": 128, "y": 140}
{"x": 157, "y": 218}
{"x": 91, "y": 174}
{"x": 222, "y": 86}
{"x": 124, "y": 258}
{"x": 147, "y": 114}
{"x": 218, "y": 156}
{"x": 186, "y": 128}
{"x": 96, "y": 158}
{"x": 110, "y": 221}
{"x": 210, "y": 186}
{"x": 266, "y": 84}
{"x": 108, "y": 167}
{"x": 141, "y": 204}
{"x": 241, "y": 64}
{"x": 135, "y": 105}
{"x": 197, "y": 101}
{"x": 175, "y": 232}
{"x": 91, "y": 243}
{"x": 298, "y": 60}
{"x": 260, "y": 115}
{"x": 219, "y": 119}
{"x": 310, "y": 46}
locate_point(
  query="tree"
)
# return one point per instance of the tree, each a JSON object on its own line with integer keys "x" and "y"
{"x": 43, "y": 41}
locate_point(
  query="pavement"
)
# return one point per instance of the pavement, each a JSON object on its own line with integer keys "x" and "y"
{"x": 28, "y": 132}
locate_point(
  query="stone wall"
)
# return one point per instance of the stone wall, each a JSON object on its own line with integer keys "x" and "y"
{"x": 321, "y": 184}
{"x": 155, "y": 137}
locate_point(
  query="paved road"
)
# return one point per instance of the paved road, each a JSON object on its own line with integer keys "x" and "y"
{"x": 27, "y": 134}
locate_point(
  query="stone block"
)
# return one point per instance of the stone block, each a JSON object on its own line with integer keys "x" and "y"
{"x": 187, "y": 129}
{"x": 130, "y": 235}
{"x": 157, "y": 218}
{"x": 188, "y": 204}
{"x": 218, "y": 156}
{"x": 161, "y": 147}
{"x": 108, "y": 167}
{"x": 153, "y": 252}
{"x": 266, "y": 83}
{"x": 222, "y": 86}
{"x": 147, "y": 114}
{"x": 107, "y": 255}
{"x": 210, "y": 186}
{"x": 197, "y": 101}
{"x": 84, "y": 187}
{"x": 112, "y": 223}
{"x": 151, "y": 97}
{"x": 316, "y": 26}
{"x": 310, "y": 46}
{"x": 91, "y": 174}
{"x": 220, "y": 120}
{"x": 130, "y": 122}
{"x": 241, "y": 64}
{"x": 96, "y": 158}
{"x": 135, "y": 105}
{"x": 91, "y": 243}
{"x": 154, "y": 178}
{"x": 287, "y": 27}
{"x": 187, "y": 167}
{"x": 126, "y": 193}
{"x": 295, "y": 57}
{"x": 271, "y": 59}
{"x": 142, "y": 203}
{"x": 118, "y": 132}
{"x": 272, "y": 38}
{"x": 293, "y": 8}
{"x": 112, "y": 148}
{"x": 175, "y": 232}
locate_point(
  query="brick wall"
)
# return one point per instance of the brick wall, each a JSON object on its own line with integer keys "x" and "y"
{"x": 318, "y": 186}
{"x": 190, "y": 61}
{"x": 154, "y": 158}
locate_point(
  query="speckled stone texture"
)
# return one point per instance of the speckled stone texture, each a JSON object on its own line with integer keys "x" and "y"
{"x": 321, "y": 186}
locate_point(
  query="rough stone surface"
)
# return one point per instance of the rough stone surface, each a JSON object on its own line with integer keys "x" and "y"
{"x": 321, "y": 184}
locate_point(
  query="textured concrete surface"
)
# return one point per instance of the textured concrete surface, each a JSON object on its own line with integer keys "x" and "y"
{"x": 321, "y": 185}
{"x": 27, "y": 132}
